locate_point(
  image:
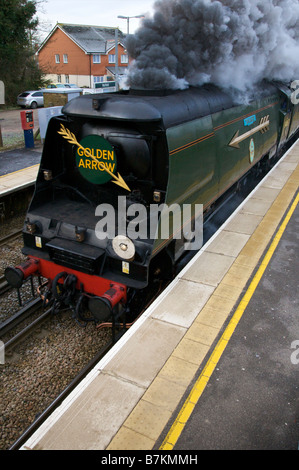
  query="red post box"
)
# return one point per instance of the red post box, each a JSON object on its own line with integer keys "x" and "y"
{"x": 27, "y": 120}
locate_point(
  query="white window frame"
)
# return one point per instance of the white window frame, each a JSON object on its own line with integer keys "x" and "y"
{"x": 98, "y": 79}
{"x": 111, "y": 58}
{"x": 96, "y": 58}
{"x": 58, "y": 78}
{"x": 67, "y": 79}
{"x": 124, "y": 59}
{"x": 57, "y": 58}
{"x": 65, "y": 59}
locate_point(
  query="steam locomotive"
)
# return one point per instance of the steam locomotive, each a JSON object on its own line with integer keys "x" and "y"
{"x": 108, "y": 154}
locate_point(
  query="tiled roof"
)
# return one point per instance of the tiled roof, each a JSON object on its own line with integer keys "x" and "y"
{"x": 92, "y": 39}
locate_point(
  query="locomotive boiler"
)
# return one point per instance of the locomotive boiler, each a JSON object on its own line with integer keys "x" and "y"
{"x": 110, "y": 159}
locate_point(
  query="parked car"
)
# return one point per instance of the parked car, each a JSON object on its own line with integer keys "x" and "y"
{"x": 55, "y": 85}
{"x": 31, "y": 99}
{"x": 62, "y": 85}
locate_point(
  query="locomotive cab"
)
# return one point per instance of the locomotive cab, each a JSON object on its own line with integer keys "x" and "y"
{"x": 288, "y": 113}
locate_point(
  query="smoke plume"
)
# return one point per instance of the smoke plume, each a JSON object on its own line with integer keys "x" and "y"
{"x": 232, "y": 43}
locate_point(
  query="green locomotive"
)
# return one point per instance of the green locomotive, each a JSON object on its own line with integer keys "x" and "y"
{"x": 177, "y": 148}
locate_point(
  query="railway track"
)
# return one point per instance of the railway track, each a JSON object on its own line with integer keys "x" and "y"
{"x": 43, "y": 363}
{"x": 4, "y": 286}
{"x": 114, "y": 336}
{"x": 15, "y": 320}
{"x": 59, "y": 399}
{"x": 10, "y": 237}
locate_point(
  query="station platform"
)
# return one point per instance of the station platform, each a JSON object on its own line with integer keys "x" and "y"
{"x": 18, "y": 169}
{"x": 212, "y": 363}
{"x": 251, "y": 400}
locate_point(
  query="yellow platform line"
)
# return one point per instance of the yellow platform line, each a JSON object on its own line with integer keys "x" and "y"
{"x": 200, "y": 385}
{"x": 22, "y": 169}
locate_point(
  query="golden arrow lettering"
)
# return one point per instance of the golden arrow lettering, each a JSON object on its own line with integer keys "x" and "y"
{"x": 70, "y": 137}
{"x": 262, "y": 127}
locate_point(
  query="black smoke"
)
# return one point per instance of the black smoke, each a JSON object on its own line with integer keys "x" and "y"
{"x": 234, "y": 44}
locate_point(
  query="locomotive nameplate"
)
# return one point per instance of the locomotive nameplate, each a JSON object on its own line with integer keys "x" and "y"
{"x": 96, "y": 155}
{"x": 104, "y": 158}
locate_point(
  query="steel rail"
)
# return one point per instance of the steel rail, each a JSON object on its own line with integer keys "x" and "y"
{"x": 20, "y": 316}
{"x": 11, "y": 236}
{"x": 28, "y": 329}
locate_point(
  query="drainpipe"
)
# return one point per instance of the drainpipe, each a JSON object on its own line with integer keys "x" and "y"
{"x": 116, "y": 59}
{"x": 90, "y": 71}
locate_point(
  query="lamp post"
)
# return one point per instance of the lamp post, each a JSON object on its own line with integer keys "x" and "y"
{"x": 128, "y": 20}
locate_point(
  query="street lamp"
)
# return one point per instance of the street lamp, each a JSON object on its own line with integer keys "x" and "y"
{"x": 128, "y": 20}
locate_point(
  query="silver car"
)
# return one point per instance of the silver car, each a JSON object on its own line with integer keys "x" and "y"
{"x": 31, "y": 99}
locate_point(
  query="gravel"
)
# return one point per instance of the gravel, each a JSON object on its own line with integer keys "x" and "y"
{"x": 40, "y": 367}
{"x": 10, "y": 255}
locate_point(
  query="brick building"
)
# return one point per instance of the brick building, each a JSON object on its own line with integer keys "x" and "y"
{"x": 82, "y": 55}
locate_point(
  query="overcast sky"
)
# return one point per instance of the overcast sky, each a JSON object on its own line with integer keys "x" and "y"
{"x": 92, "y": 12}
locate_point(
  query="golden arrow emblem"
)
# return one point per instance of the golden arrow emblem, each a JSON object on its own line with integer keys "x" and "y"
{"x": 70, "y": 137}
{"x": 262, "y": 127}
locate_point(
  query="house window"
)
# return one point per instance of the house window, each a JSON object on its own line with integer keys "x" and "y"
{"x": 65, "y": 58}
{"x": 111, "y": 58}
{"x": 67, "y": 79}
{"x": 96, "y": 58}
{"x": 57, "y": 59}
{"x": 98, "y": 79}
{"x": 58, "y": 78}
{"x": 124, "y": 59}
